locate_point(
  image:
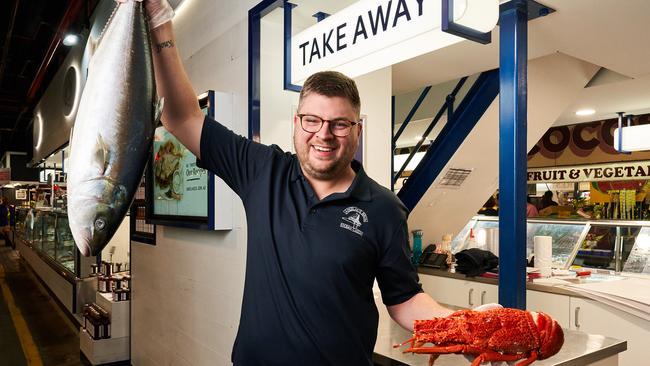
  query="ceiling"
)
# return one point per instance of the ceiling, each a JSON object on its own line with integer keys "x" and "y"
{"x": 611, "y": 34}
{"x": 31, "y": 52}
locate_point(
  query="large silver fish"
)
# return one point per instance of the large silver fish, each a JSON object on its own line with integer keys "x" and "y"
{"x": 113, "y": 130}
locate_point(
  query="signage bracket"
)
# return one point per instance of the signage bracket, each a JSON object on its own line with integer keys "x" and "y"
{"x": 449, "y": 26}
{"x": 288, "y": 7}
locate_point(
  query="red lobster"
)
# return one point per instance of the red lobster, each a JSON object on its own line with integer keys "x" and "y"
{"x": 492, "y": 335}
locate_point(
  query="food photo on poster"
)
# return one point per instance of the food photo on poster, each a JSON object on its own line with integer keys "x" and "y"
{"x": 180, "y": 187}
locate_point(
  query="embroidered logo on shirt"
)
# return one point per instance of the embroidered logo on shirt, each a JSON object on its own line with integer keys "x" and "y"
{"x": 353, "y": 219}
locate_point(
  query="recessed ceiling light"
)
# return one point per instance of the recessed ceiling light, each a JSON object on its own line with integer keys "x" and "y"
{"x": 585, "y": 112}
{"x": 418, "y": 138}
{"x": 71, "y": 39}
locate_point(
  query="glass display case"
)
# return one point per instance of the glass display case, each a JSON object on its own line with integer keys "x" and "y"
{"x": 65, "y": 249}
{"x": 49, "y": 234}
{"x": 617, "y": 246}
{"x": 48, "y": 237}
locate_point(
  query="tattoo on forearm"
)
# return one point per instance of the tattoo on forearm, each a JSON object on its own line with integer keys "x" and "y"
{"x": 165, "y": 44}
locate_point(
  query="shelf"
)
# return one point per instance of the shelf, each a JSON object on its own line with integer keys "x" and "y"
{"x": 101, "y": 351}
{"x": 119, "y": 312}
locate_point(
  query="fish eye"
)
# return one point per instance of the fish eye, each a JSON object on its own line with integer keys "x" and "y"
{"x": 100, "y": 224}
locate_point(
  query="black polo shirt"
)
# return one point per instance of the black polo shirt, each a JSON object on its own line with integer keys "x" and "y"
{"x": 311, "y": 263}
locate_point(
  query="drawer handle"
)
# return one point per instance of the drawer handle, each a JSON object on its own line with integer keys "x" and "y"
{"x": 575, "y": 320}
{"x": 482, "y": 297}
{"x": 469, "y": 300}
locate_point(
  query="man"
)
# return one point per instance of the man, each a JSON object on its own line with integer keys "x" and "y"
{"x": 319, "y": 230}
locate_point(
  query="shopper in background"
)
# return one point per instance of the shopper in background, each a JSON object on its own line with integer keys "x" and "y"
{"x": 5, "y": 229}
{"x": 320, "y": 232}
{"x": 531, "y": 210}
{"x": 547, "y": 200}
{"x": 490, "y": 207}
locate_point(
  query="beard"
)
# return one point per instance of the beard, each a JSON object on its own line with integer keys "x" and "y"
{"x": 329, "y": 171}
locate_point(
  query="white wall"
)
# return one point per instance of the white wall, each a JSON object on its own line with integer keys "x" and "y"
{"x": 375, "y": 92}
{"x": 276, "y": 105}
{"x": 187, "y": 289}
{"x": 120, "y": 241}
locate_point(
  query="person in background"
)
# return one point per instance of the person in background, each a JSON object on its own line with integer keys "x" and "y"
{"x": 531, "y": 210}
{"x": 547, "y": 200}
{"x": 5, "y": 230}
{"x": 489, "y": 208}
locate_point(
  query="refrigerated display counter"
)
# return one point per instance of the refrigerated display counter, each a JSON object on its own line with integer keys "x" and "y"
{"x": 609, "y": 246}
{"x": 44, "y": 240}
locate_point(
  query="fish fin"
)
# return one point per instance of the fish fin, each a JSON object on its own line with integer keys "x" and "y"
{"x": 101, "y": 154}
{"x": 158, "y": 108}
{"x": 108, "y": 21}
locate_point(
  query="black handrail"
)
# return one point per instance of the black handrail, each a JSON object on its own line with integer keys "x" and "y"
{"x": 447, "y": 106}
{"x": 411, "y": 113}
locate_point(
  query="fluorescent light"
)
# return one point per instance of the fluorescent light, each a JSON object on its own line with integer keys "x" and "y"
{"x": 585, "y": 112}
{"x": 71, "y": 39}
{"x": 40, "y": 131}
{"x": 634, "y": 138}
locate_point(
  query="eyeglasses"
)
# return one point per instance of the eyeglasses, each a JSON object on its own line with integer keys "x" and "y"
{"x": 339, "y": 127}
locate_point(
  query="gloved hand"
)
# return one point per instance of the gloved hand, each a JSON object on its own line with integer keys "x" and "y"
{"x": 486, "y": 307}
{"x": 489, "y": 306}
{"x": 158, "y": 12}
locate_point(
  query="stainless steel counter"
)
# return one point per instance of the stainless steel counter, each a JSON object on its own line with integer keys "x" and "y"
{"x": 579, "y": 348}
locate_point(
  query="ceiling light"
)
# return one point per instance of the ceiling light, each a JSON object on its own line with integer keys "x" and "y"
{"x": 71, "y": 39}
{"x": 418, "y": 138}
{"x": 585, "y": 112}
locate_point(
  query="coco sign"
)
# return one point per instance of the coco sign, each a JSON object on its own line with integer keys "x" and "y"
{"x": 582, "y": 139}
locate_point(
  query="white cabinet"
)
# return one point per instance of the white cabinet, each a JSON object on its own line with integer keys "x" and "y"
{"x": 459, "y": 293}
{"x": 590, "y": 316}
{"x": 557, "y": 306}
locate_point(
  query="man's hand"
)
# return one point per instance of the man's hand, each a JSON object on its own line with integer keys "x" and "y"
{"x": 486, "y": 307}
{"x": 158, "y": 12}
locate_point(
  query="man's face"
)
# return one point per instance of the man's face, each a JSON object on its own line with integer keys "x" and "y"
{"x": 322, "y": 155}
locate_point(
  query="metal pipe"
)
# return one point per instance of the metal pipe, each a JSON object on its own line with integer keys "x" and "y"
{"x": 414, "y": 109}
{"x": 10, "y": 32}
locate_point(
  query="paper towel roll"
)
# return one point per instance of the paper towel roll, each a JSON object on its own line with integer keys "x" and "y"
{"x": 492, "y": 240}
{"x": 543, "y": 248}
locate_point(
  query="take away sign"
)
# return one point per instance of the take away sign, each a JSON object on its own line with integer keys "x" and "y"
{"x": 372, "y": 34}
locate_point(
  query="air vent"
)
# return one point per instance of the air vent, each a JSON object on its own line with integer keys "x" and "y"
{"x": 454, "y": 178}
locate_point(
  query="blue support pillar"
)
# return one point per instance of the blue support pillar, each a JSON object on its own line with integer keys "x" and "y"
{"x": 512, "y": 153}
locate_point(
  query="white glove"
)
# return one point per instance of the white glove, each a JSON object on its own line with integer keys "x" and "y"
{"x": 158, "y": 12}
{"x": 486, "y": 307}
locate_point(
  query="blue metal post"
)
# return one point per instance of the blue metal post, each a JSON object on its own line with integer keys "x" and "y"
{"x": 512, "y": 153}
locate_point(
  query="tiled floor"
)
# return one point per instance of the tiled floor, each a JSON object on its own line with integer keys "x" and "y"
{"x": 29, "y": 314}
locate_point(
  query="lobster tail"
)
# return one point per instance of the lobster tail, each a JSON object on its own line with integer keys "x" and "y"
{"x": 551, "y": 336}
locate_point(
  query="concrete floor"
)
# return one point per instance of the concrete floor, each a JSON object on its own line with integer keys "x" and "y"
{"x": 33, "y": 328}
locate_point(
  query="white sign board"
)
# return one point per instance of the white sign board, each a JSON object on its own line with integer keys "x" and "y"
{"x": 372, "y": 34}
{"x": 591, "y": 173}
